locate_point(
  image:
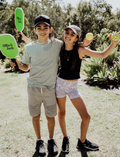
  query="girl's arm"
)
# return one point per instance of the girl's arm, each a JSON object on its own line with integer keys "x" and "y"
{"x": 24, "y": 38}
{"x": 97, "y": 54}
{"x": 23, "y": 67}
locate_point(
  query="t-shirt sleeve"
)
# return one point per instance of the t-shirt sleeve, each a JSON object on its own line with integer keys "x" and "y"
{"x": 26, "y": 57}
{"x": 58, "y": 43}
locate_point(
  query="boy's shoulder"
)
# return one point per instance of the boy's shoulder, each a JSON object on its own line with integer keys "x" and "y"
{"x": 57, "y": 40}
{"x": 31, "y": 44}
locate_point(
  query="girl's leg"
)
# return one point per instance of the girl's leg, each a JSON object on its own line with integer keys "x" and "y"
{"x": 82, "y": 110}
{"x": 61, "y": 114}
{"x": 51, "y": 126}
{"x": 36, "y": 125}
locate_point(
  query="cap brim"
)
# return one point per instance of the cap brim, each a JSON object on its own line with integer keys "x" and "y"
{"x": 42, "y": 22}
{"x": 72, "y": 29}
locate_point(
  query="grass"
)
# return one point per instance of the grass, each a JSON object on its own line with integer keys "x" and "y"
{"x": 17, "y": 137}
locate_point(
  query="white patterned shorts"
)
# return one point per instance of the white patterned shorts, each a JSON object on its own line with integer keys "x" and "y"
{"x": 64, "y": 87}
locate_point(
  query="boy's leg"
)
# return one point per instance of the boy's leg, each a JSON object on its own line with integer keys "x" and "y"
{"x": 52, "y": 146}
{"x": 50, "y": 106}
{"x": 34, "y": 103}
{"x": 36, "y": 125}
{"x": 51, "y": 126}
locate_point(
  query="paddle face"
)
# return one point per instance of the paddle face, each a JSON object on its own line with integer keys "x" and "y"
{"x": 8, "y": 46}
{"x": 19, "y": 19}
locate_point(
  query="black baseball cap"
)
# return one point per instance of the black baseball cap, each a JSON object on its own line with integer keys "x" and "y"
{"x": 75, "y": 29}
{"x": 42, "y": 19}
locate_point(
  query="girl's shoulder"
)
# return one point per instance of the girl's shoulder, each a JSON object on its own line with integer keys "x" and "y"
{"x": 81, "y": 48}
{"x": 81, "y": 51}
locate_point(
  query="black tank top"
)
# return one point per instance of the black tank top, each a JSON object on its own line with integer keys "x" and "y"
{"x": 66, "y": 72}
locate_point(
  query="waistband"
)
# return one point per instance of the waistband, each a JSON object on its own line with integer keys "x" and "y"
{"x": 66, "y": 80}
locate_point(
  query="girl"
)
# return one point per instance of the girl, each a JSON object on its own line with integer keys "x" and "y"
{"x": 41, "y": 57}
{"x": 71, "y": 57}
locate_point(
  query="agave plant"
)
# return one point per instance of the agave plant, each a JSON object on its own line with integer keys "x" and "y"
{"x": 103, "y": 72}
{"x": 91, "y": 66}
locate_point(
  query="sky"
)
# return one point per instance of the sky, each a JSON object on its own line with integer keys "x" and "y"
{"x": 115, "y": 3}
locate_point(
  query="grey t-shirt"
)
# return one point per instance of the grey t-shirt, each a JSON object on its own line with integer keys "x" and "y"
{"x": 43, "y": 60}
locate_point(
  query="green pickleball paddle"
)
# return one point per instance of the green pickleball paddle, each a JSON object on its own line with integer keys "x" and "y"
{"x": 19, "y": 21}
{"x": 9, "y": 47}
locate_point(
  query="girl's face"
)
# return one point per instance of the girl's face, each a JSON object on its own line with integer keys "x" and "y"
{"x": 43, "y": 31}
{"x": 70, "y": 36}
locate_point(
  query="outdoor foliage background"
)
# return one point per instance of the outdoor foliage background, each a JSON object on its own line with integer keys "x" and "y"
{"x": 95, "y": 16}
{"x": 17, "y": 138}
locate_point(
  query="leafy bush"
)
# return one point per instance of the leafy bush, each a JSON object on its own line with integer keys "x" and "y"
{"x": 7, "y": 64}
{"x": 104, "y": 73}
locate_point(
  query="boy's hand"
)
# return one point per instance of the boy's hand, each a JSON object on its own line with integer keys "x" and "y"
{"x": 12, "y": 64}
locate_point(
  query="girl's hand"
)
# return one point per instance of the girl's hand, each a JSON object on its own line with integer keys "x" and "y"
{"x": 20, "y": 33}
{"x": 24, "y": 38}
{"x": 86, "y": 42}
{"x": 110, "y": 36}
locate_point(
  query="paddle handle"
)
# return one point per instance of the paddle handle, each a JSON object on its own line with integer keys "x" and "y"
{"x": 16, "y": 67}
{"x": 19, "y": 38}
{"x": 2, "y": 56}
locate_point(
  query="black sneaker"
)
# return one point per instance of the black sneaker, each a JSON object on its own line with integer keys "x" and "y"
{"x": 65, "y": 145}
{"x": 40, "y": 148}
{"x": 52, "y": 148}
{"x": 87, "y": 145}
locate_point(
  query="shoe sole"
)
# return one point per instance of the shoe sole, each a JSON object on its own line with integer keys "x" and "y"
{"x": 51, "y": 155}
{"x": 65, "y": 152}
{"x": 87, "y": 149}
{"x": 38, "y": 155}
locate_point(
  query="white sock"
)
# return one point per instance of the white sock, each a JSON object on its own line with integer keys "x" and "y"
{"x": 50, "y": 139}
{"x": 39, "y": 139}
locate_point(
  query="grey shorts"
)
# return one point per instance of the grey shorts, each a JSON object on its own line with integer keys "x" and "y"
{"x": 37, "y": 96}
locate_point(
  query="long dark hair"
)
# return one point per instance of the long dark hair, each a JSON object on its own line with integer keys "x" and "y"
{"x": 75, "y": 54}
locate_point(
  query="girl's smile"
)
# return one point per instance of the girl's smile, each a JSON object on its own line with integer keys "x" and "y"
{"x": 70, "y": 36}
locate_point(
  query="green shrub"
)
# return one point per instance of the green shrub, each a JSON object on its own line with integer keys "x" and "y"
{"x": 104, "y": 73}
{"x": 7, "y": 64}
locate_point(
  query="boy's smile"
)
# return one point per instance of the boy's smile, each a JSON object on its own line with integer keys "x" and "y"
{"x": 43, "y": 31}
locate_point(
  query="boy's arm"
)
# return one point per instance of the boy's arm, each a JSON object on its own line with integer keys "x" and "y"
{"x": 24, "y": 38}
{"x": 85, "y": 42}
{"x": 23, "y": 67}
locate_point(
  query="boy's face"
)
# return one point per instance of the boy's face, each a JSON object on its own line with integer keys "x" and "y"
{"x": 43, "y": 31}
{"x": 70, "y": 36}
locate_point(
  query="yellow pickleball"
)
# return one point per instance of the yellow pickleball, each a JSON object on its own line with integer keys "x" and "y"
{"x": 115, "y": 37}
{"x": 89, "y": 36}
